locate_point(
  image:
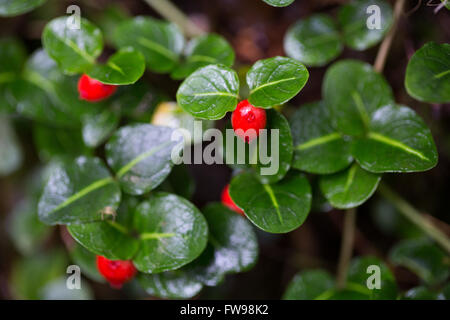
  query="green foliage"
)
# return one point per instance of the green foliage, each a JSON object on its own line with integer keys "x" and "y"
{"x": 279, "y": 3}
{"x": 10, "y": 8}
{"x": 431, "y": 65}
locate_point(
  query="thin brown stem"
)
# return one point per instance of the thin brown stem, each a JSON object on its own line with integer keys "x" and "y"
{"x": 348, "y": 237}
{"x": 385, "y": 46}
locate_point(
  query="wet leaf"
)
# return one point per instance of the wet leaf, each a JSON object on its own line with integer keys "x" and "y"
{"x": 315, "y": 41}
{"x": 97, "y": 128}
{"x": 428, "y": 73}
{"x": 77, "y": 191}
{"x": 210, "y": 92}
{"x": 349, "y": 188}
{"x": 275, "y": 81}
{"x": 398, "y": 141}
{"x": 318, "y": 146}
{"x": 275, "y": 208}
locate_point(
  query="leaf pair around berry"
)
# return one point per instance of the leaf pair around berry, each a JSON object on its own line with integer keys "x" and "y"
{"x": 76, "y": 49}
{"x": 212, "y": 91}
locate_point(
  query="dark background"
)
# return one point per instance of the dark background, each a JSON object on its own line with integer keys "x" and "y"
{"x": 256, "y": 31}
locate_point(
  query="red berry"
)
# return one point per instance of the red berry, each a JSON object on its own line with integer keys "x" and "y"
{"x": 228, "y": 202}
{"x": 247, "y": 117}
{"x": 117, "y": 272}
{"x": 93, "y": 90}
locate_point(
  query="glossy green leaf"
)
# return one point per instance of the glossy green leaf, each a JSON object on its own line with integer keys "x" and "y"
{"x": 87, "y": 262}
{"x": 269, "y": 156}
{"x": 398, "y": 141}
{"x": 53, "y": 142}
{"x": 11, "y": 155}
{"x": 113, "y": 237}
{"x": 141, "y": 156}
{"x": 275, "y": 208}
{"x": 30, "y": 275}
{"x": 172, "y": 233}
{"x": 232, "y": 247}
{"x": 365, "y": 22}
{"x": 77, "y": 191}
{"x": 428, "y": 73}
{"x": 124, "y": 67}
{"x": 172, "y": 184}
{"x": 176, "y": 284}
{"x": 279, "y": 3}
{"x": 202, "y": 51}
{"x": 75, "y": 50}
{"x": 10, "y": 8}
{"x": 275, "y": 81}
{"x": 353, "y": 91}
{"x": 97, "y": 128}
{"x": 423, "y": 258}
{"x": 363, "y": 271}
{"x": 209, "y": 92}
{"x": 318, "y": 146}
{"x": 315, "y": 41}
{"x": 160, "y": 42}
{"x": 309, "y": 285}
{"x": 349, "y": 188}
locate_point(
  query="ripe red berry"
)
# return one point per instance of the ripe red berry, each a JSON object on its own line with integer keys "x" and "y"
{"x": 228, "y": 202}
{"x": 247, "y": 117}
{"x": 93, "y": 90}
{"x": 117, "y": 272}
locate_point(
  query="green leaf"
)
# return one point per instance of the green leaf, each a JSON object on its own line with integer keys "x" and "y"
{"x": 232, "y": 247}
{"x": 309, "y": 285}
{"x": 172, "y": 231}
{"x": 31, "y": 274}
{"x": 269, "y": 168}
{"x": 53, "y": 142}
{"x": 202, "y": 51}
{"x": 350, "y": 187}
{"x": 355, "y": 21}
{"x": 124, "y": 67}
{"x": 87, "y": 262}
{"x": 11, "y": 155}
{"x": 75, "y": 50}
{"x": 111, "y": 238}
{"x": 315, "y": 41}
{"x": 172, "y": 183}
{"x": 275, "y": 81}
{"x": 423, "y": 258}
{"x": 77, "y": 191}
{"x": 353, "y": 91}
{"x": 398, "y": 141}
{"x": 97, "y": 128}
{"x": 10, "y": 8}
{"x": 275, "y": 208}
{"x": 279, "y": 3}
{"x": 209, "y": 92}
{"x": 360, "y": 272}
{"x": 428, "y": 73}
{"x": 140, "y": 155}
{"x": 176, "y": 284}
{"x": 160, "y": 42}
{"x": 318, "y": 146}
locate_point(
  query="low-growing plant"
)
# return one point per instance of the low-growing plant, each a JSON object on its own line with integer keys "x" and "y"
{"x": 106, "y": 140}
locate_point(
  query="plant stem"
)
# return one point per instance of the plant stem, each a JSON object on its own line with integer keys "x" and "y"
{"x": 386, "y": 44}
{"x": 348, "y": 236}
{"x": 170, "y": 12}
{"x": 415, "y": 217}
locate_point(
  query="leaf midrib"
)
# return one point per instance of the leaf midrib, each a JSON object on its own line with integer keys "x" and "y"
{"x": 397, "y": 144}
{"x": 272, "y": 83}
{"x": 361, "y": 108}
{"x": 152, "y": 45}
{"x": 272, "y": 197}
{"x": 319, "y": 140}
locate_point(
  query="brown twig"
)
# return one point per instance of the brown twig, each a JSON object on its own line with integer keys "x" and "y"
{"x": 348, "y": 237}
